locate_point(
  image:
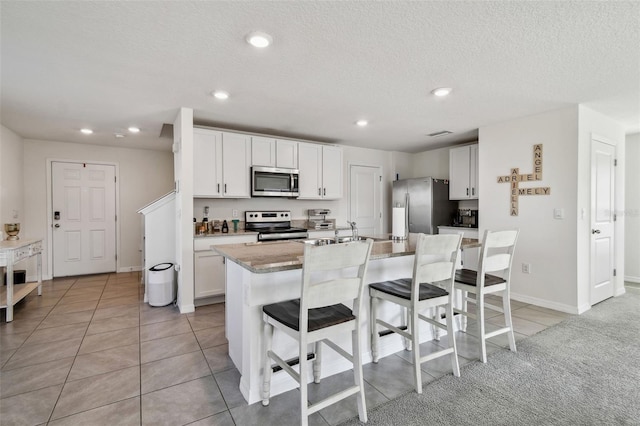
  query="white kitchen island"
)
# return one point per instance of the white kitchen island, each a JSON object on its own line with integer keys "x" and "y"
{"x": 264, "y": 273}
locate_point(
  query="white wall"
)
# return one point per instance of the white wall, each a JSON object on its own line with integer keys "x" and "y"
{"x": 592, "y": 123}
{"x": 11, "y": 181}
{"x": 632, "y": 209}
{"x": 434, "y": 163}
{"x": 144, "y": 176}
{"x": 548, "y": 244}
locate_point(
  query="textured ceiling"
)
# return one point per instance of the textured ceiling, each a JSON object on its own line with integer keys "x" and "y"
{"x": 108, "y": 65}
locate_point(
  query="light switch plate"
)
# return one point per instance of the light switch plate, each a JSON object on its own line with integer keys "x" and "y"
{"x": 558, "y": 213}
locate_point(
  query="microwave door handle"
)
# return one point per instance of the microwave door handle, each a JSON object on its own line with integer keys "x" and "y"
{"x": 292, "y": 182}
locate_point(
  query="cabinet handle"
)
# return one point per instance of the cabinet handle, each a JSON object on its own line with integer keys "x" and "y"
{"x": 319, "y": 191}
{"x": 218, "y": 188}
{"x": 325, "y": 191}
{"x": 473, "y": 191}
{"x": 467, "y": 192}
{"x": 225, "y": 188}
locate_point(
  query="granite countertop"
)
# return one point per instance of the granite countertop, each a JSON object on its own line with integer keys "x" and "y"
{"x": 275, "y": 256}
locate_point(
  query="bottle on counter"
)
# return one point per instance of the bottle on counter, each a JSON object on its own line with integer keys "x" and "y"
{"x": 225, "y": 227}
{"x": 205, "y": 225}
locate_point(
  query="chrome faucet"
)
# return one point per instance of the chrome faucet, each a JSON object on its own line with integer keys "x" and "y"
{"x": 354, "y": 230}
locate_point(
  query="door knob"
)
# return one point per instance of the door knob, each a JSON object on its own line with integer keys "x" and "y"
{"x": 595, "y": 231}
{"x": 57, "y": 225}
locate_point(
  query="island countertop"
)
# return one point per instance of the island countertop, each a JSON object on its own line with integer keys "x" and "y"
{"x": 265, "y": 257}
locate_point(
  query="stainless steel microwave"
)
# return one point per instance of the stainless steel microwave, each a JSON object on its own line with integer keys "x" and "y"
{"x": 274, "y": 182}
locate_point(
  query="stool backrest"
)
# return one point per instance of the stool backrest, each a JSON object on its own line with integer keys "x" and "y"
{"x": 435, "y": 260}
{"x": 496, "y": 253}
{"x": 334, "y": 273}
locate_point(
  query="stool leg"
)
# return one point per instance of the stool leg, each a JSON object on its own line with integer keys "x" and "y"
{"x": 506, "y": 307}
{"x": 373, "y": 312}
{"x": 317, "y": 362}
{"x": 435, "y": 331}
{"x": 304, "y": 400}
{"x": 452, "y": 339}
{"x": 415, "y": 339}
{"x": 357, "y": 372}
{"x": 266, "y": 369}
{"x": 481, "y": 328}
{"x": 406, "y": 320}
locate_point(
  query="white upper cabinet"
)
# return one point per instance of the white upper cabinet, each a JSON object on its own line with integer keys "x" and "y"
{"x": 286, "y": 154}
{"x": 221, "y": 163}
{"x": 463, "y": 172}
{"x": 320, "y": 171}
{"x": 270, "y": 152}
{"x": 263, "y": 151}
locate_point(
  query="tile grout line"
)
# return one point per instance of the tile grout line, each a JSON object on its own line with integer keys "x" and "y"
{"x": 76, "y": 355}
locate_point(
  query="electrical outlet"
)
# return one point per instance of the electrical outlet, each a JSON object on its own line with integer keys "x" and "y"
{"x": 234, "y": 213}
{"x": 526, "y": 268}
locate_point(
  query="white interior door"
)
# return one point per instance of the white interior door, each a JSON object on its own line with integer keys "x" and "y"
{"x": 365, "y": 195}
{"x": 84, "y": 222}
{"x": 602, "y": 220}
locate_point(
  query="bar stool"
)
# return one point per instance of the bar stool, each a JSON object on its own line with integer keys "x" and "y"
{"x": 331, "y": 275}
{"x": 435, "y": 262}
{"x": 496, "y": 256}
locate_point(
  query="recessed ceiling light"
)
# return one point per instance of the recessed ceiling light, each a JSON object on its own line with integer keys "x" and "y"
{"x": 362, "y": 123}
{"x": 134, "y": 129}
{"x": 259, "y": 39}
{"x": 442, "y": 91}
{"x": 118, "y": 135}
{"x": 86, "y": 131}
{"x": 220, "y": 94}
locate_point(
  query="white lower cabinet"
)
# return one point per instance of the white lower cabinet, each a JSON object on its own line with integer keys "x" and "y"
{"x": 209, "y": 274}
{"x": 468, "y": 257}
{"x": 209, "y": 267}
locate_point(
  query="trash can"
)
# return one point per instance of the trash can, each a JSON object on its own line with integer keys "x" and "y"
{"x": 161, "y": 288}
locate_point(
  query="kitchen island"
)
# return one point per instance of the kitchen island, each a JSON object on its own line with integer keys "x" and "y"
{"x": 270, "y": 272}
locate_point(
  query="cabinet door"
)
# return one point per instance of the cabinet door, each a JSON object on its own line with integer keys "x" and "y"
{"x": 331, "y": 172}
{"x": 459, "y": 173}
{"x": 473, "y": 169}
{"x": 310, "y": 166}
{"x": 236, "y": 160}
{"x": 263, "y": 151}
{"x": 287, "y": 154}
{"x": 207, "y": 163}
{"x": 209, "y": 274}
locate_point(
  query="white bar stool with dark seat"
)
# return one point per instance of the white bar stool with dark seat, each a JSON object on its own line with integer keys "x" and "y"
{"x": 435, "y": 262}
{"x": 331, "y": 275}
{"x": 496, "y": 256}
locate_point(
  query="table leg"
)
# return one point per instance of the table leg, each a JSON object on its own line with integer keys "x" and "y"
{"x": 9, "y": 291}
{"x": 39, "y": 272}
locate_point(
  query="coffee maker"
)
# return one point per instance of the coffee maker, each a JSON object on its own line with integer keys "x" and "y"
{"x": 467, "y": 218}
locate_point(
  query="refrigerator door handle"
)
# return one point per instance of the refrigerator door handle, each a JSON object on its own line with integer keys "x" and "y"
{"x": 406, "y": 215}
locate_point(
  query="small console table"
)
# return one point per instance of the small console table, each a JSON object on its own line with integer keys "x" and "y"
{"x": 12, "y": 252}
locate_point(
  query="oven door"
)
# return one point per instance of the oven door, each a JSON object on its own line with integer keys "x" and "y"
{"x": 274, "y": 182}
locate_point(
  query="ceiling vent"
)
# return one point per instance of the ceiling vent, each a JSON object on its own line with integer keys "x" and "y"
{"x": 440, "y": 133}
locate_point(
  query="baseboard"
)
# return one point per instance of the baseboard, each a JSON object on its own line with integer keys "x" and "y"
{"x": 209, "y": 300}
{"x": 632, "y": 279}
{"x": 550, "y": 304}
{"x": 619, "y": 292}
{"x": 187, "y": 309}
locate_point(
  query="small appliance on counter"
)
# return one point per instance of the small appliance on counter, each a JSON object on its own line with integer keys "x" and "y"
{"x": 273, "y": 225}
{"x": 466, "y": 218}
{"x": 317, "y": 219}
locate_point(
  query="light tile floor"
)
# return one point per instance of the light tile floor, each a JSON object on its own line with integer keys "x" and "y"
{"x": 90, "y": 352}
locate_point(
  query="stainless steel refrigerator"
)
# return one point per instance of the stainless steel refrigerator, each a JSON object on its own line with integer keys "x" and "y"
{"x": 426, "y": 203}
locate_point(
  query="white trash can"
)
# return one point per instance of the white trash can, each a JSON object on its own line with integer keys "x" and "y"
{"x": 161, "y": 288}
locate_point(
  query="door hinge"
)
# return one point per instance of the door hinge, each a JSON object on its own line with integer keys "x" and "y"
{"x": 115, "y": 179}
{"x": 614, "y": 272}
{"x": 615, "y": 162}
{"x": 380, "y": 178}
{"x": 116, "y": 257}
{"x": 615, "y": 217}
{"x": 116, "y": 218}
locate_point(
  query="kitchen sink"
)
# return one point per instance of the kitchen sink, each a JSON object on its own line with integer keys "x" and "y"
{"x": 330, "y": 240}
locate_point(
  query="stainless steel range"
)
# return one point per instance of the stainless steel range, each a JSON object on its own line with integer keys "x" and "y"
{"x": 273, "y": 225}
